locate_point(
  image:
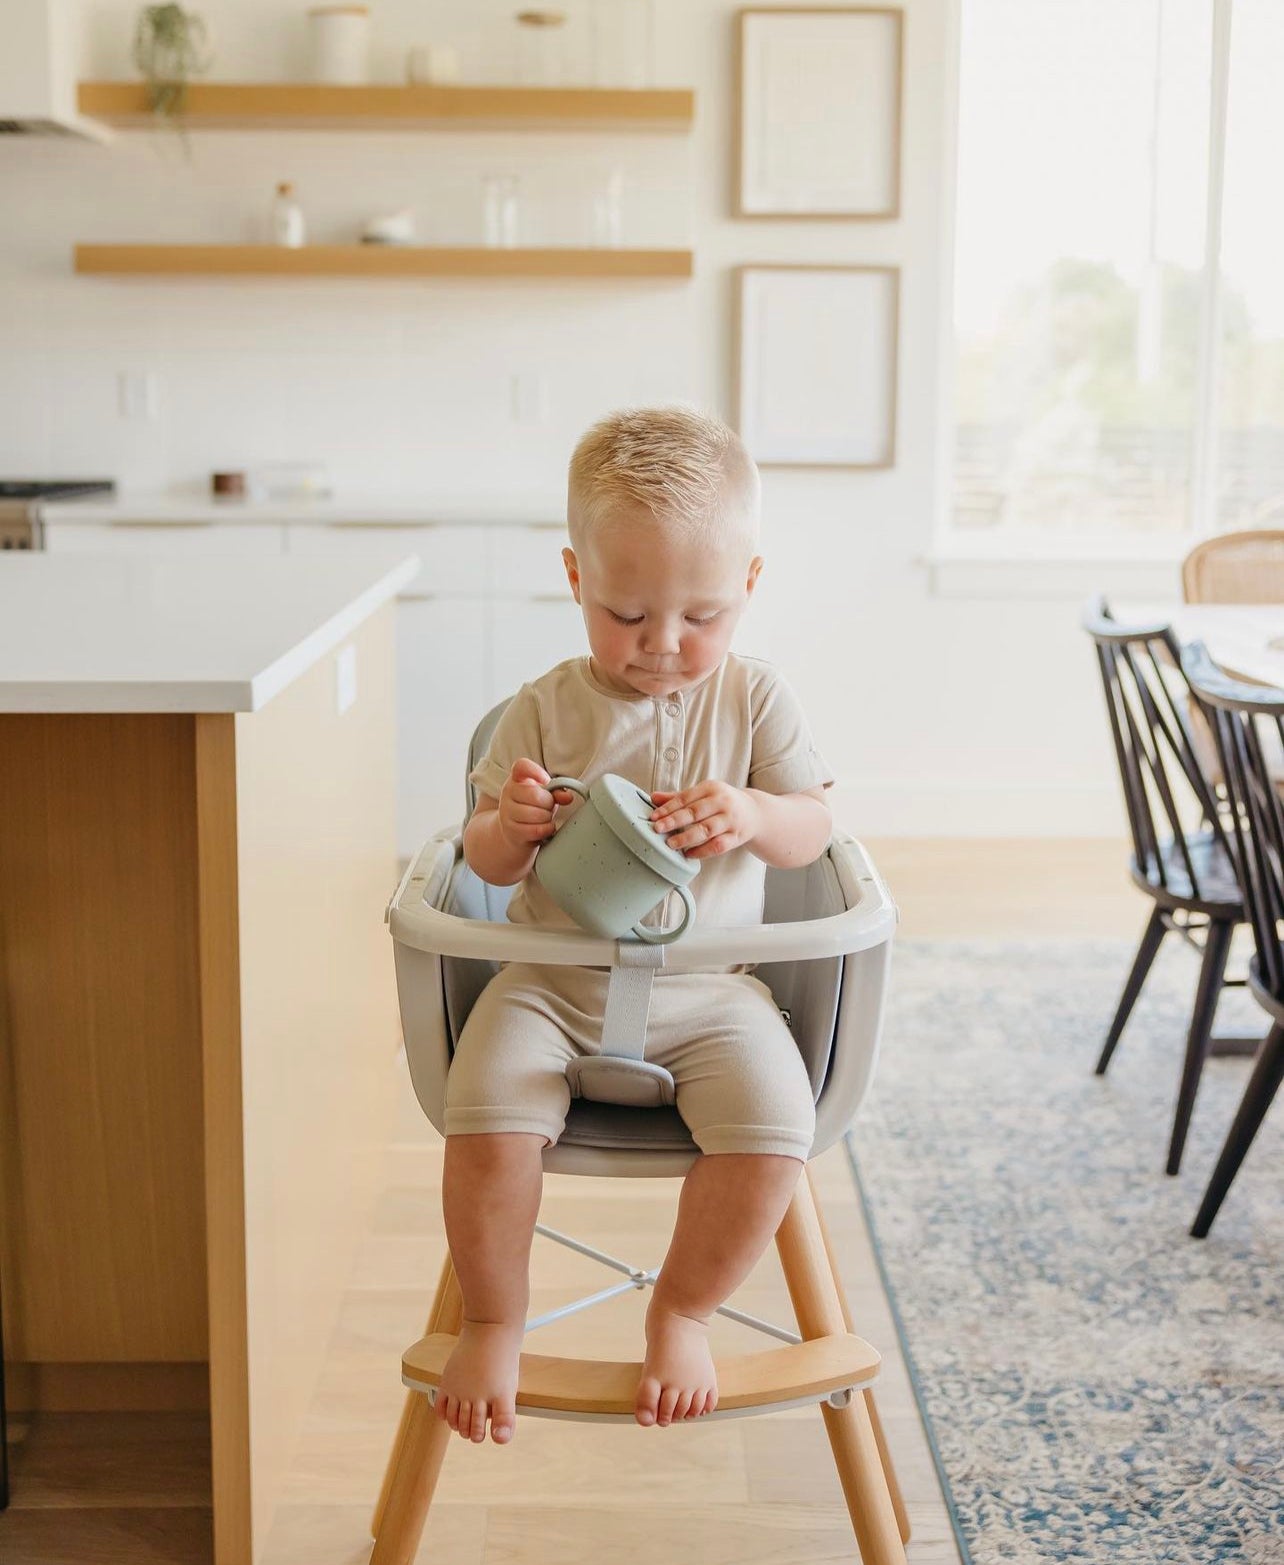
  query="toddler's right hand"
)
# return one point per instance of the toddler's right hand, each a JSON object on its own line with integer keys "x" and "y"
{"x": 526, "y": 807}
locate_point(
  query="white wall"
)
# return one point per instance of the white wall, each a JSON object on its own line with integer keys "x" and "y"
{"x": 941, "y": 716}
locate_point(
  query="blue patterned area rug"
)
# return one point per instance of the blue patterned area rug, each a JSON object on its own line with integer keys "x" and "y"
{"x": 1099, "y": 1386}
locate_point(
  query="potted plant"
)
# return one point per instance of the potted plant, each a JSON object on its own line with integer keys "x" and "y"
{"x": 169, "y": 49}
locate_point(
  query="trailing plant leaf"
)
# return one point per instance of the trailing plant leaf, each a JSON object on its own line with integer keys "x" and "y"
{"x": 169, "y": 48}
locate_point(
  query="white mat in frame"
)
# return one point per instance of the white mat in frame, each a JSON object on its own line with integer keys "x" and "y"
{"x": 818, "y": 112}
{"x": 816, "y": 357}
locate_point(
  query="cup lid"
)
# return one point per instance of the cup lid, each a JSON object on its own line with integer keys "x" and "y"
{"x": 626, "y": 809}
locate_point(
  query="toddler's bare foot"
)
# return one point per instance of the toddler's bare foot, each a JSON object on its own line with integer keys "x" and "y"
{"x": 479, "y": 1381}
{"x": 678, "y": 1377}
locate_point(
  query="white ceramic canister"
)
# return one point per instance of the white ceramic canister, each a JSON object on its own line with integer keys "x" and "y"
{"x": 340, "y": 37}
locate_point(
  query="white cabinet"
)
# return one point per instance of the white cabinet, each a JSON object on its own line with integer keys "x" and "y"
{"x": 169, "y": 538}
{"x": 443, "y": 691}
{"x": 528, "y": 561}
{"x": 529, "y": 636}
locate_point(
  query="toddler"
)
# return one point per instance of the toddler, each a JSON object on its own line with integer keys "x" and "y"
{"x": 663, "y": 520}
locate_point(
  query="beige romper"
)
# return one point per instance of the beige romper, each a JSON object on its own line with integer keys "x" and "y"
{"x": 740, "y": 1083}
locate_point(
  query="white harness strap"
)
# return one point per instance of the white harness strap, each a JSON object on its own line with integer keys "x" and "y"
{"x": 628, "y": 999}
{"x": 620, "y": 1074}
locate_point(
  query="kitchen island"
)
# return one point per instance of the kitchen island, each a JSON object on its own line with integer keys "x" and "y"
{"x": 198, "y": 1028}
{"x": 492, "y": 584}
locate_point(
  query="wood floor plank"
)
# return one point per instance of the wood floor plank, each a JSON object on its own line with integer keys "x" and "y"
{"x": 108, "y": 1535}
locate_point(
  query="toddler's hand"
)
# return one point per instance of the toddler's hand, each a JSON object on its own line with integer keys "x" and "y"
{"x": 713, "y": 817}
{"x": 526, "y": 806}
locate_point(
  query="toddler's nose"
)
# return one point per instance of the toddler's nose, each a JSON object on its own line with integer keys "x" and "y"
{"x": 661, "y": 640}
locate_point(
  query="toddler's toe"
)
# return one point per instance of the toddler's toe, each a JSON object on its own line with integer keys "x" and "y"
{"x": 502, "y": 1425}
{"x": 668, "y": 1401}
{"x": 648, "y": 1400}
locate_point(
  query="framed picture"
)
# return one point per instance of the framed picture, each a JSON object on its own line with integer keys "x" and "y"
{"x": 815, "y": 371}
{"x": 818, "y": 113}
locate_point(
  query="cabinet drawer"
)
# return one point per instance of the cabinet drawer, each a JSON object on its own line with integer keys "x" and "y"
{"x": 453, "y": 558}
{"x": 200, "y": 538}
{"x": 528, "y": 562}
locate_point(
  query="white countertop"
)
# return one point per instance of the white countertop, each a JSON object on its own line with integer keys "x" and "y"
{"x": 145, "y": 634}
{"x": 194, "y": 509}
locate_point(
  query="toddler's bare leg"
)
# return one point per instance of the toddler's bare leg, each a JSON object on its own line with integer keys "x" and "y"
{"x": 490, "y": 1198}
{"x": 731, "y": 1206}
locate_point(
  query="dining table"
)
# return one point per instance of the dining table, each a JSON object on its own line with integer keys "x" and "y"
{"x": 1244, "y": 639}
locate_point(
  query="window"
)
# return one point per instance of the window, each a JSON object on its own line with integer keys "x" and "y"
{"x": 1248, "y": 455}
{"x": 1110, "y": 380}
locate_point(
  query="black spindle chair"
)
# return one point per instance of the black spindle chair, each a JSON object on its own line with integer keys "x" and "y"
{"x": 1248, "y": 725}
{"x": 1181, "y": 856}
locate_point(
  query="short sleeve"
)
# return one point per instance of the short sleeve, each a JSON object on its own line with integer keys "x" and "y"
{"x": 784, "y": 757}
{"x": 518, "y": 733}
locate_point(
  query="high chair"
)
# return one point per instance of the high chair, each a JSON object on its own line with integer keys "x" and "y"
{"x": 823, "y": 950}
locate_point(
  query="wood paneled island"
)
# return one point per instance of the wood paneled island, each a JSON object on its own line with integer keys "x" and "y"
{"x": 198, "y": 1028}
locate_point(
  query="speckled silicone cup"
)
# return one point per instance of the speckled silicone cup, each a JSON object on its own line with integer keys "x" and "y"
{"x": 607, "y": 867}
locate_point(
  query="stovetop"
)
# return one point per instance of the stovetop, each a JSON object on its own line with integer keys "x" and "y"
{"x": 54, "y": 488}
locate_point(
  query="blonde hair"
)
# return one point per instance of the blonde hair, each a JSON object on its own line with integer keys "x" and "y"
{"x": 688, "y": 469}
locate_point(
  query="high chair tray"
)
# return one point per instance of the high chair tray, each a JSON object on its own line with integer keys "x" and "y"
{"x": 799, "y": 1375}
{"x": 416, "y": 920}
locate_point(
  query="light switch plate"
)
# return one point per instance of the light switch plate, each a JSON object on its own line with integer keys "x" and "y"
{"x": 345, "y": 678}
{"x": 138, "y": 394}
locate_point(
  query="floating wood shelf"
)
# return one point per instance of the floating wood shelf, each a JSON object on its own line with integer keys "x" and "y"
{"x": 376, "y": 261}
{"x": 304, "y": 106}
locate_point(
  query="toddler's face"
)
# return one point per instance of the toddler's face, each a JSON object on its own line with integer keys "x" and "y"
{"x": 660, "y": 610}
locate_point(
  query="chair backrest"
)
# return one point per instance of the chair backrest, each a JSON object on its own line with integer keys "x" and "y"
{"x": 1248, "y": 726}
{"x": 1166, "y": 790}
{"x": 1244, "y": 567}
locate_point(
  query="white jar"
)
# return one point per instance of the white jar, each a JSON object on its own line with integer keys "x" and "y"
{"x": 340, "y": 36}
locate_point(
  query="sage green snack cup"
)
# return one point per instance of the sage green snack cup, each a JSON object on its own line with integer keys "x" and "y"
{"x": 607, "y": 868}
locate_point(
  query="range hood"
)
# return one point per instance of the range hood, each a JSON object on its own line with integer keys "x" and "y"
{"x": 40, "y": 48}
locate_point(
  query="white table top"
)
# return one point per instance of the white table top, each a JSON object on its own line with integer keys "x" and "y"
{"x": 146, "y": 634}
{"x": 1246, "y": 639}
{"x": 187, "y": 507}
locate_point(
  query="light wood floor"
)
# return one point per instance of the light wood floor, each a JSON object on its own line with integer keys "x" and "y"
{"x": 739, "y": 1492}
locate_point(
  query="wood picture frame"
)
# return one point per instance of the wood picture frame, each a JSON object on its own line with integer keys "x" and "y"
{"x": 816, "y": 364}
{"x": 818, "y": 107}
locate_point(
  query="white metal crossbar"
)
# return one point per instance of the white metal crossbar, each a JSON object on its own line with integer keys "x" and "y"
{"x": 637, "y": 1279}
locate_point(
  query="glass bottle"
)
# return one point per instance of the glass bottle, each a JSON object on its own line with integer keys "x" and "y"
{"x": 287, "y": 218}
{"x": 500, "y": 197}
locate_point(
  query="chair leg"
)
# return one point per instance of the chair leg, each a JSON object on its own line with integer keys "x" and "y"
{"x": 817, "y": 1305}
{"x": 1262, "y": 1086}
{"x": 446, "y": 1314}
{"x": 885, "y": 1456}
{"x": 1151, "y": 940}
{"x": 1217, "y": 943}
{"x": 416, "y": 1468}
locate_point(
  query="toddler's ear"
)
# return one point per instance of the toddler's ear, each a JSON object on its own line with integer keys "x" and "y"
{"x": 755, "y": 570}
{"x": 572, "y": 572}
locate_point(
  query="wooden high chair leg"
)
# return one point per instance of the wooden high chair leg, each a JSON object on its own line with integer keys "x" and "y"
{"x": 885, "y": 1456}
{"x": 446, "y": 1314}
{"x": 817, "y": 1303}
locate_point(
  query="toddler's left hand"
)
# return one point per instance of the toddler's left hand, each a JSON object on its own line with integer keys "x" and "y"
{"x": 713, "y": 817}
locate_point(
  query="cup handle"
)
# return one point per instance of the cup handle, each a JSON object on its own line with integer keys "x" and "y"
{"x": 572, "y": 784}
{"x": 661, "y": 937}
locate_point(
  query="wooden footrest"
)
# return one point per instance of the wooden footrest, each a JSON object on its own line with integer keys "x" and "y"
{"x": 792, "y": 1376}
